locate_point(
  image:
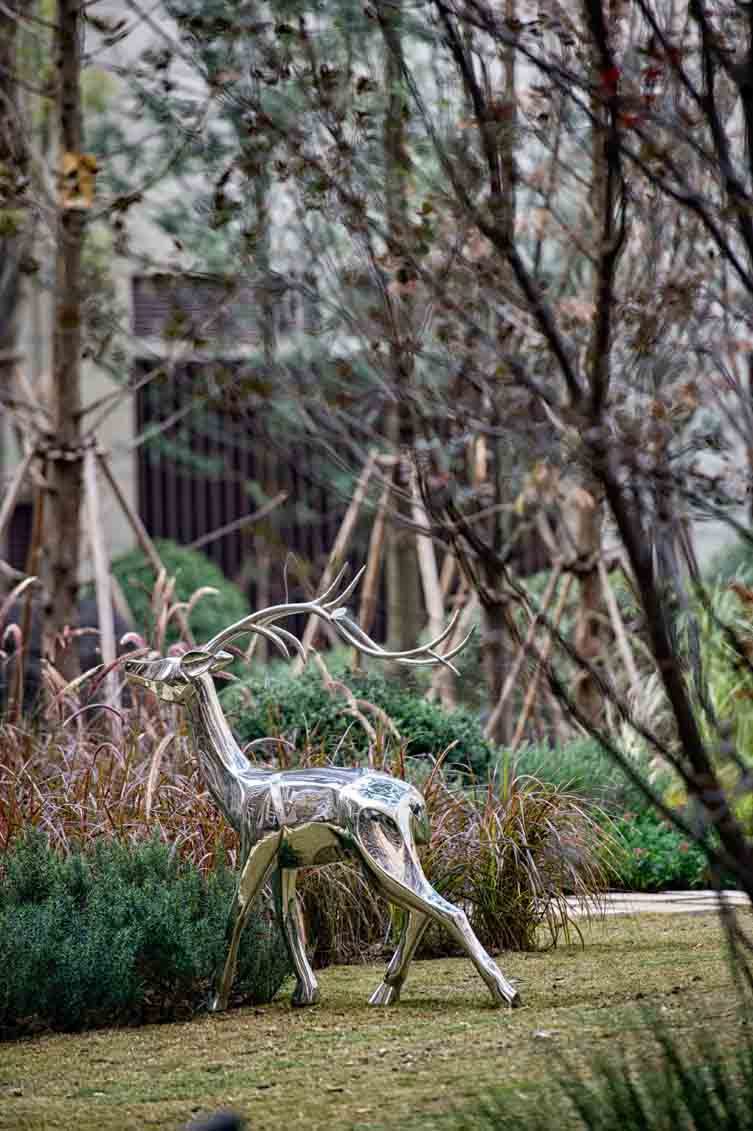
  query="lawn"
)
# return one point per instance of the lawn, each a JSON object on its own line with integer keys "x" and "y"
{"x": 343, "y": 1064}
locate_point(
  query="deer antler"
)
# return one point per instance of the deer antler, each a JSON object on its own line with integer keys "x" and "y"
{"x": 331, "y": 610}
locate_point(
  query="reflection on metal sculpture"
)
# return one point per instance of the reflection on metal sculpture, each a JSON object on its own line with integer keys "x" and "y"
{"x": 297, "y": 818}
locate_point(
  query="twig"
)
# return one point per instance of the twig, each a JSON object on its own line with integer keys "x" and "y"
{"x": 239, "y": 523}
{"x": 517, "y": 664}
{"x": 542, "y": 659}
{"x": 338, "y": 551}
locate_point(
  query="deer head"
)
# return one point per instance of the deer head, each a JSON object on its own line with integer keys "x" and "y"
{"x": 174, "y": 678}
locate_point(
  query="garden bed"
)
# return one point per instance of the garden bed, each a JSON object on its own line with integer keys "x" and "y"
{"x": 345, "y": 1065}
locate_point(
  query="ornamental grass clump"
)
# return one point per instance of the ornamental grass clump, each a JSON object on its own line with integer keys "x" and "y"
{"x": 509, "y": 854}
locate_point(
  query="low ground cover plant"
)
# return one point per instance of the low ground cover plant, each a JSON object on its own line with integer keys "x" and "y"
{"x": 697, "y": 1085}
{"x": 119, "y": 933}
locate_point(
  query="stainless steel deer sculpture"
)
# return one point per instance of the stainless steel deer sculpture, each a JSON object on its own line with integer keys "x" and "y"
{"x": 295, "y": 818}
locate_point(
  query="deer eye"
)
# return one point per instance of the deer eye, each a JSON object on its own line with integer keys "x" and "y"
{"x": 415, "y": 808}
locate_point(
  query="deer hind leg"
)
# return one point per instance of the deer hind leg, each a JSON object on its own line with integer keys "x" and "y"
{"x": 258, "y": 865}
{"x": 291, "y": 922}
{"x": 388, "y": 992}
{"x": 402, "y": 880}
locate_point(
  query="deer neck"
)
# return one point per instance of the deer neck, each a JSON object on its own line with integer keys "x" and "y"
{"x": 226, "y": 770}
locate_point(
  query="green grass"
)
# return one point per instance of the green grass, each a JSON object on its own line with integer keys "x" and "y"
{"x": 345, "y": 1065}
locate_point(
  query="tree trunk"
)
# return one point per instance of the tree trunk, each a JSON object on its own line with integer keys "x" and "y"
{"x": 66, "y": 490}
{"x": 13, "y": 161}
{"x": 494, "y": 648}
{"x": 581, "y": 515}
{"x": 404, "y": 601}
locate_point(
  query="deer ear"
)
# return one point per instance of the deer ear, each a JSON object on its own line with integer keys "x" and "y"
{"x": 197, "y": 662}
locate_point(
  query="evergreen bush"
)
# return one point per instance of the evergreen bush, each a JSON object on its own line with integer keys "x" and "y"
{"x": 650, "y": 854}
{"x": 304, "y": 712}
{"x": 192, "y": 570}
{"x": 585, "y": 768}
{"x": 118, "y": 933}
{"x": 734, "y": 560}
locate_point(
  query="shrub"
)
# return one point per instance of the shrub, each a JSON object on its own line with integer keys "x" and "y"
{"x": 118, "y": 933}
{"x": 304, "y": 712}
{"x": 734, "y": 560}
{"x": 652, "y": 855}
{"x": 192, "y": 571}
{"x": 584, "y": 768}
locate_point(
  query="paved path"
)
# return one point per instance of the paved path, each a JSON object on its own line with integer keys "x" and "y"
{"x": 668, "y": 902}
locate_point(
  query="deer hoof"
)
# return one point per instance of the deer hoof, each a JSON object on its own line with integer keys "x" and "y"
{"x": 509, "y": 997}
{"x": 303, "y": 997}
{"x": 504, "y": 994}
{"x": 385, "y": 994}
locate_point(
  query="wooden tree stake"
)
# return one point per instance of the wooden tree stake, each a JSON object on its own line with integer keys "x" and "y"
{"x": 618, "y": 626}
{"x": 373, "y": 564}
{"x": 142, "y": 537}
{"x": 101, "y": 576}
{"x": 541, "y": 660}
{"x": 442, "y": 680}
{"x": 512, "y": 675}
{"x": 337, "y": 553}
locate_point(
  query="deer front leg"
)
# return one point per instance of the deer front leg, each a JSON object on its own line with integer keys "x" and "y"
{"x": 291, "y": 922}
{"x": 388, "y": 992}
{"x": 259, "y": 864}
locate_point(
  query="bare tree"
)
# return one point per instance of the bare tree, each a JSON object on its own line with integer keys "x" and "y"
{"x": 63, "y": 527}
{"x": 13, "y": 193}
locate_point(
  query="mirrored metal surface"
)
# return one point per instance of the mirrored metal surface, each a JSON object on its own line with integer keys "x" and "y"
{"x": 288, "y": 819}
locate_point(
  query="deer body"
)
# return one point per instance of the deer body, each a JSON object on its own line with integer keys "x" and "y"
{"x": 289, "y": 819}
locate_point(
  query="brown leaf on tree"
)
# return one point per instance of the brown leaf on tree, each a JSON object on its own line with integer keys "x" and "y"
{"x": 78, "y": 174}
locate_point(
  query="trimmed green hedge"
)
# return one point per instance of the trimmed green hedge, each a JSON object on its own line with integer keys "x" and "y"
{"x": 119, "y": 933}
{"x": 192, "y": 570}
{"x": 303, "y": 711}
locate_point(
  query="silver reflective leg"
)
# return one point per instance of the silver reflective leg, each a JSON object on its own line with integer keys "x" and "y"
{"x": 389, "y": 991}
{"x": 291, "y": 921}
{"x": 457, "y": 923}
{"x": 259, "y": 864}
{"x": 406, "y": 885}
